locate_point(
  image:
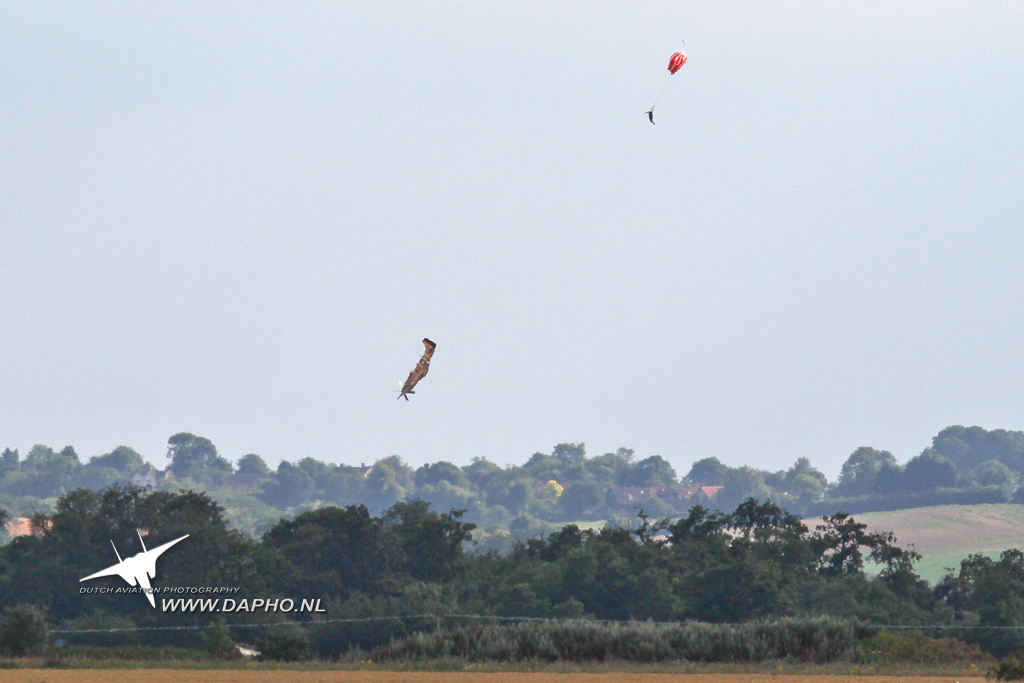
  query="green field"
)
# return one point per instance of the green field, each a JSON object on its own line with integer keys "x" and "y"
{"x": 946, "y": 534}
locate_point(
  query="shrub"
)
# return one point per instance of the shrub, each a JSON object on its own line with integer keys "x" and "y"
{"x": 217, "y": 642}
{"x": 918, "y": 648}
{"x": 1008, "y": 670}
{"x": 816, "y": 640}
{"x": 72, "y": 655}
{"x": 284, "y": 643}
{"x": 24, "y": 631}
{"x": 100, "y": 629}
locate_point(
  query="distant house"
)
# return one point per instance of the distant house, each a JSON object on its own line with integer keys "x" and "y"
{"x": 677, "y": 497}
{"x": 148, "y": 477}
{"x": 21, "y": 526}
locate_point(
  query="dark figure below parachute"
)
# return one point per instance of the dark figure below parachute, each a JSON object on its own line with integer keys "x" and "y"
{"x": 420, "y": 371}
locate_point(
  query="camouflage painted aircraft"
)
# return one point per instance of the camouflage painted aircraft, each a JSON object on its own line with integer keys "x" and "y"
{"x": 420, "y": 371}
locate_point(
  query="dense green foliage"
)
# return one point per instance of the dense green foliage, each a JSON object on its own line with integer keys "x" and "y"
{"x": 1008, "y": 670}
{"x": 962, "y": 466}
{"x": 753, "y": 564}
{"x": 389, "y": 541}
{"x": 23, "y": 631}
{"x": 284, "y": 643}
{"x": 811, "y": 640}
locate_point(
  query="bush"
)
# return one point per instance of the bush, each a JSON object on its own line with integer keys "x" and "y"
{"x": 814, "y": 640}
{"x": 24, "y": 631}
{"x": 918, "y": 648}
{"x": 74, "y": 655}
{"x": 217, "y": 642}
{"x": 284, "y": 643}
{"x": 99, "y": 629}
{"x": 1008, "y": 670}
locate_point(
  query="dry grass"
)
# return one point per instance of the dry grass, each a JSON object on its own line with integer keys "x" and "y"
{"x": 946, "y": 529}
{"x": 946, "y": 534}
{"x": 286, "y": 676}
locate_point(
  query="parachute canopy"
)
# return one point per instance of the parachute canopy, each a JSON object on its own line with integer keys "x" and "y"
{"x": 676, "y": 61}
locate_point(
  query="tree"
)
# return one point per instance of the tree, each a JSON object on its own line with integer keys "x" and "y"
{"x": 609, "y": 468}
{"x": 652, "y": 471}
{"x": 217, "y": 641}
{"x": 382, "y": 485}
{"x": 993, "y": 473}
{"x": 190, "y": 454}
{"x": 441, "y": 471}
{"x": 889, "y": 478}
{"x": 480, "y": 471}
{"x": 123, "y": 459}
{"x": 806, "y": 487}
{"x": 23, "y": 631}
{"x": 512, "y": 495}
{"x": 736, "y": 591}
{"x": 570, "y": 452}
{"x": 289, "y": 487}
{"x": 581, "y": 498}
{"x": 431, "y": 543}
{"x": 928, "y": 471}
{"x": 740, "y": 484}
{"x": 990, "y": 591}
{"x": 837, "y": 544}
{"x": 446, "y": 496}
{"x": 859, "y": 474}
{"x": 803, "y": 466}
{"x": 77, "y": 538}
{"x": 707, "y": 472}
{"x": 284, "y": 643}
{"x": 252, "y": 464}
{"x": 344, "y": 486}
{"x": 403, "y": 474}
{"x": 8, "y": 461}
{"x": 336, "y": 551}
{"x": 49, "y": 472}
{"x": 968, "y": 447}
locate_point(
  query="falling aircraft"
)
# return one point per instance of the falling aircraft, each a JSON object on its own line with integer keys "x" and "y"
{"x": 420, "y": 371}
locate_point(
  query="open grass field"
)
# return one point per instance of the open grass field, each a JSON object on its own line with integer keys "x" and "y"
{"x": 946, "y": 534}
{"x": 286, "y": 676}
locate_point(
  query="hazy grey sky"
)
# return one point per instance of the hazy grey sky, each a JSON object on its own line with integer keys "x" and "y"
{"x": 239, "y": 220}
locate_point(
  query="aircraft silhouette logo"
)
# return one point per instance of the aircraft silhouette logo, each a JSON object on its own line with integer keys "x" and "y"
{"x": 138, "y": 569}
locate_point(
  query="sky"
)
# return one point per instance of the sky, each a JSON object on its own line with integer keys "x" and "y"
{"x": 240, "y": 219}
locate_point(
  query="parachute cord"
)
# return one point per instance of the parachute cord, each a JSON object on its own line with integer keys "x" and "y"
{"x": 664, "y": 83}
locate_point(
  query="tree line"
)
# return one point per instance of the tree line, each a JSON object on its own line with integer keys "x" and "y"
{"x": 754, "y": 562}
{"x": 963, "y": 465}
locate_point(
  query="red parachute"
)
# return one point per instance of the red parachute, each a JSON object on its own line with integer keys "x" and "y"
{"x": 675, "y": 63}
